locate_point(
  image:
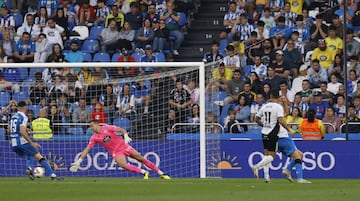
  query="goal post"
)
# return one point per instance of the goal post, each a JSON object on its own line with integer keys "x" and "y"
{"x": 178, "y": 158}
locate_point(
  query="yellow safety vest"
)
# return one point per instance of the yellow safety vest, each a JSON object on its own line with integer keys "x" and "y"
{"x": 41, "y": 128}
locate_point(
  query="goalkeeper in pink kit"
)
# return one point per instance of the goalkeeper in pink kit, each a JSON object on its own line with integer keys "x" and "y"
{"x": 118, "y": 148}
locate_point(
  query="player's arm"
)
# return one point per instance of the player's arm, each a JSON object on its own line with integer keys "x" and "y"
{"x": 258, "y": 121}
{"x": 25, "y": 135}
{"x": 282, "y": 122}
{"x": 125, "y": 134}
{"x": 75, "y": 166}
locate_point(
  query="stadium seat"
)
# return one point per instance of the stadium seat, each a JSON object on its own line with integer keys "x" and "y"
{"x": 2, "y": 133}
{"x": 90, "y": 107}
{"x": 94, "y": 31}
{"x": 160, "y": 57}
{"x": 222, "y": 45}
{"x": 115, "y": 56}
{"x": 101, "y": 57}
{"x": 87, "y": 57}
{"x": 137, "y": 55}
{"x": 83, "y": 32}
{"x": 75, "y": 131}
{"x": 4, "y": 98}
{"x": 110, "y": 2}
{"x": 33, "y": 71}
{"x": 123, "y": 122}
{"x": 20, "y": 96}
{"x": 18, "y": 18}
{"x": 224, "y": 113}
{"x": 183, "y": 19}
{"x": 91, "y": 46}
{"x": 24, "y": 73}
{"x": 35, "y": 108}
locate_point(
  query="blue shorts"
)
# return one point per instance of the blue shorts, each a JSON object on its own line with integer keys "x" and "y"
{"x": 286, "y": 146}
{"x": 25, "y": 150}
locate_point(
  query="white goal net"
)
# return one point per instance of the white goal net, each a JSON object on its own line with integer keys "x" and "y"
{"x": 162, "y": 105}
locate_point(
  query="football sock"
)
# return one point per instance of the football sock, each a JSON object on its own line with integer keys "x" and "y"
{"x": 265, "y": 160}
{"x": 266, "y": 170}
{"x": 30, "y": 162}
{"x": 132, "y": 168}
{"x": 46, "y": 165}
{"x": 291, "y": 165}
{"x": 298, "y": 168}
{"x": 152, "y": 166}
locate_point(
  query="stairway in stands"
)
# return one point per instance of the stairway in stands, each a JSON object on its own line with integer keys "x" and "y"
{"x": 205, "y": 28}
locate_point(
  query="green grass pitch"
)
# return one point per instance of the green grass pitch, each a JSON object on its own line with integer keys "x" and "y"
{"x": 135, "y": 189}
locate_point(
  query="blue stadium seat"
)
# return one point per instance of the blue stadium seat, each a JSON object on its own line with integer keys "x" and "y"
{"x": 94, "y": 31}
{"x": 75, "y": 131}
{"x": 4, "y": 98}
{"x": 123, "y": 122}
{"x": 87, "y": 57}
{"x": 115, "y": 56}
{"x": 21, "y": 96}
{"x": 24, "y": 73}
{"x": 222, "y": 45}
{"x": 137, "y": 55}
{"x": 110, "y": 2}
{"x": 33, "y": 71}
{"x": 91, "y": 46}
{"x": 2, "y": 133}
{"x": 18, "y": 18}
{"x": 160, "y": 57}
{"x": 90, "y": 107}
{"x": 101, "y": 57}
{"x": 183, "y": 19}
{"x": 35, "y": 108}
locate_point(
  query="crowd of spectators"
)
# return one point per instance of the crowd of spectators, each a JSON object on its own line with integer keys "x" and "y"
{"x": 277, "y": 45}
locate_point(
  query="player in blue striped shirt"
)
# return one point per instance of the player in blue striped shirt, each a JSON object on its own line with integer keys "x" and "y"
{"x": 22, "y": 144}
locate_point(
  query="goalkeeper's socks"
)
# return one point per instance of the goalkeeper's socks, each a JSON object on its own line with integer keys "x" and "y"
{"x": 151, "y": 165}
{"x": 46, "y": 165}
{"x": 132, "y": 168}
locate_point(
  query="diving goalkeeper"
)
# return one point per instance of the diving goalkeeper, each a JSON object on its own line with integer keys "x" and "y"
{"x": 118, "y": 148}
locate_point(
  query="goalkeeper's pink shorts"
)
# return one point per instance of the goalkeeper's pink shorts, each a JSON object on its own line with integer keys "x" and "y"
{"x": 123, "y": 151}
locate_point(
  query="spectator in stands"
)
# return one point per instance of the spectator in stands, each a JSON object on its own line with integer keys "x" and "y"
{"x": 275, "y": 6}
{"x": 151, "y": 14}
{"x": 309, "y": 21}
{"x": 221, "y": 75}
{"x": 43, "y": 49}
{"x": 54, "y": 33}
{"x": 194, "y": 119}
{"x": 135, "y": 17}
{"x": 333, "y": 85}
{"x": 259, "y": 68}
{"x": 255, "y": 82}
{"x": 125, "y": 103}
{"x": 356, "y": 101}
{"x": 65, "y": 108}
{"x": 102, "y": 72}
{"x": 126, "y": 37}
{"x": 265, "y": 91}
{"x": 69, "y": 13}
{"x": 256, "y": 106}
{"x": 7, "y": 21}
{"x": 12, "y": 77}
{"x": 242, "y": 110}
{"x": 268, "y": 19}
{"x": 231, "y": 17}
{"x": 29, "y": 26}
{"x": 292, "y": 58}
{"x": 231, "y": 124}
{"x": 161, "y": 35}
{"x": 117, "y": 16}
{"x": 352, "y": 117}
{"x": 286, "y": 93}
{"x": 74, "y": 90}
{"x": 331, "y": 118}
{"x": 8, "y": 44}
{"x": 102, "y": 11}
{"x": 41, "y": 18}
{"x": 214, "y": 54}
{"x": 108, "y": 100}
{"x": 352, "y": 45}
{"x": 298, "y": 103}
{"x": 85, "y": 76}
{"x": 86, "y": 14}
{"x": 333, "y": 41}
{"x": 241, "y": 28}
{"x": 9, "y": 110}
{"x": 24, "y": 49}
{"x": 327, "y": 96}
{"x": 280, "y": 33}
{"x": 38, "y": 89}
{"x": 265, "y": 51}
{"x": 193, "y": 90}
{"x": 172, "y": 18}
{"x": 312, "y": 128}
{"x": 55, "y": 119}
{"x": 290, "y": 17}
{"x": 148, "y": 57}
{"x": 213, "y": 127}
{"x": 75, "y": 55}
{"x": 298, "y": 44}
{"x": 340, "y": 107}
{"x": 349, "y": 14}
{"x": 62, "y": 21}
{"x": 125, "y": 71}
{"x": 352, "y": 81}
{"x": 231, "y": 60}
{"x": 170, "y": 121}
{"x": 57, "y": 88}
{"x": 31, "y": 116}
{"x": 354, "y": 64}
{"x": 96, "y": 88}
{"x": 50, "y": 5}
{"x": 280, "y": 67}
{"x": 316, "y": 74}
{"x": 3, "y": 57}
{"x": 180, "y": 100}
{"x": 273, "y": 79}
{"x": 123, "y": 6}
{"x": 56, "y": 54}
{"x": 142, "y": 94}
{"x": 144, "y": 35}
{"x": 337, "y": 68}
{"x": 99, "y": 114}
{"x": 109, "y": 37}
{"x": 319, "y": 105}
{"x": 318, "y": 31}
{"x": 239, "y": 46}
{"x": 249, "y": 95}
{"x": 234, "y": 86}
{"x": 65, "y": 71}
{"x": 306, "y": 92}
{"x": 294, "y": 119}
{"x": 262, "y": 33}
{"x": 82, "y": 114}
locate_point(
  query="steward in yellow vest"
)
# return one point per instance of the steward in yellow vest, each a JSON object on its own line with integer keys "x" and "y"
{"x": 312, "y": 128}
{"x": 41, "y": 126}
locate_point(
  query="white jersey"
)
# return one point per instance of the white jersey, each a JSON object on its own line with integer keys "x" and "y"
{"x": 269, "y": 114}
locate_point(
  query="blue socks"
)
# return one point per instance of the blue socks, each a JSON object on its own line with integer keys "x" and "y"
{"x": 46, "y": 165}
{"x": 298, "y": 168}
{"x": 30, "y": 162}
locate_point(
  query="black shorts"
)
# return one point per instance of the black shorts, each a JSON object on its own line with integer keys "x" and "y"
{"x": 270, "y": 140}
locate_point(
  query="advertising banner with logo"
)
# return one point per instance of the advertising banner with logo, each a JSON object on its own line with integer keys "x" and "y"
{"x": 322, "y": 159}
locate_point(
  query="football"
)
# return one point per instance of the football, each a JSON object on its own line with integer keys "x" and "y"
{"x": 39, "y": 172}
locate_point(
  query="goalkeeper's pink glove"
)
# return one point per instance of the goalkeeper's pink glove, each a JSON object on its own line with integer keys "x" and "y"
{"x": 75, "y": 166}
{"x": 127, "y": 138}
